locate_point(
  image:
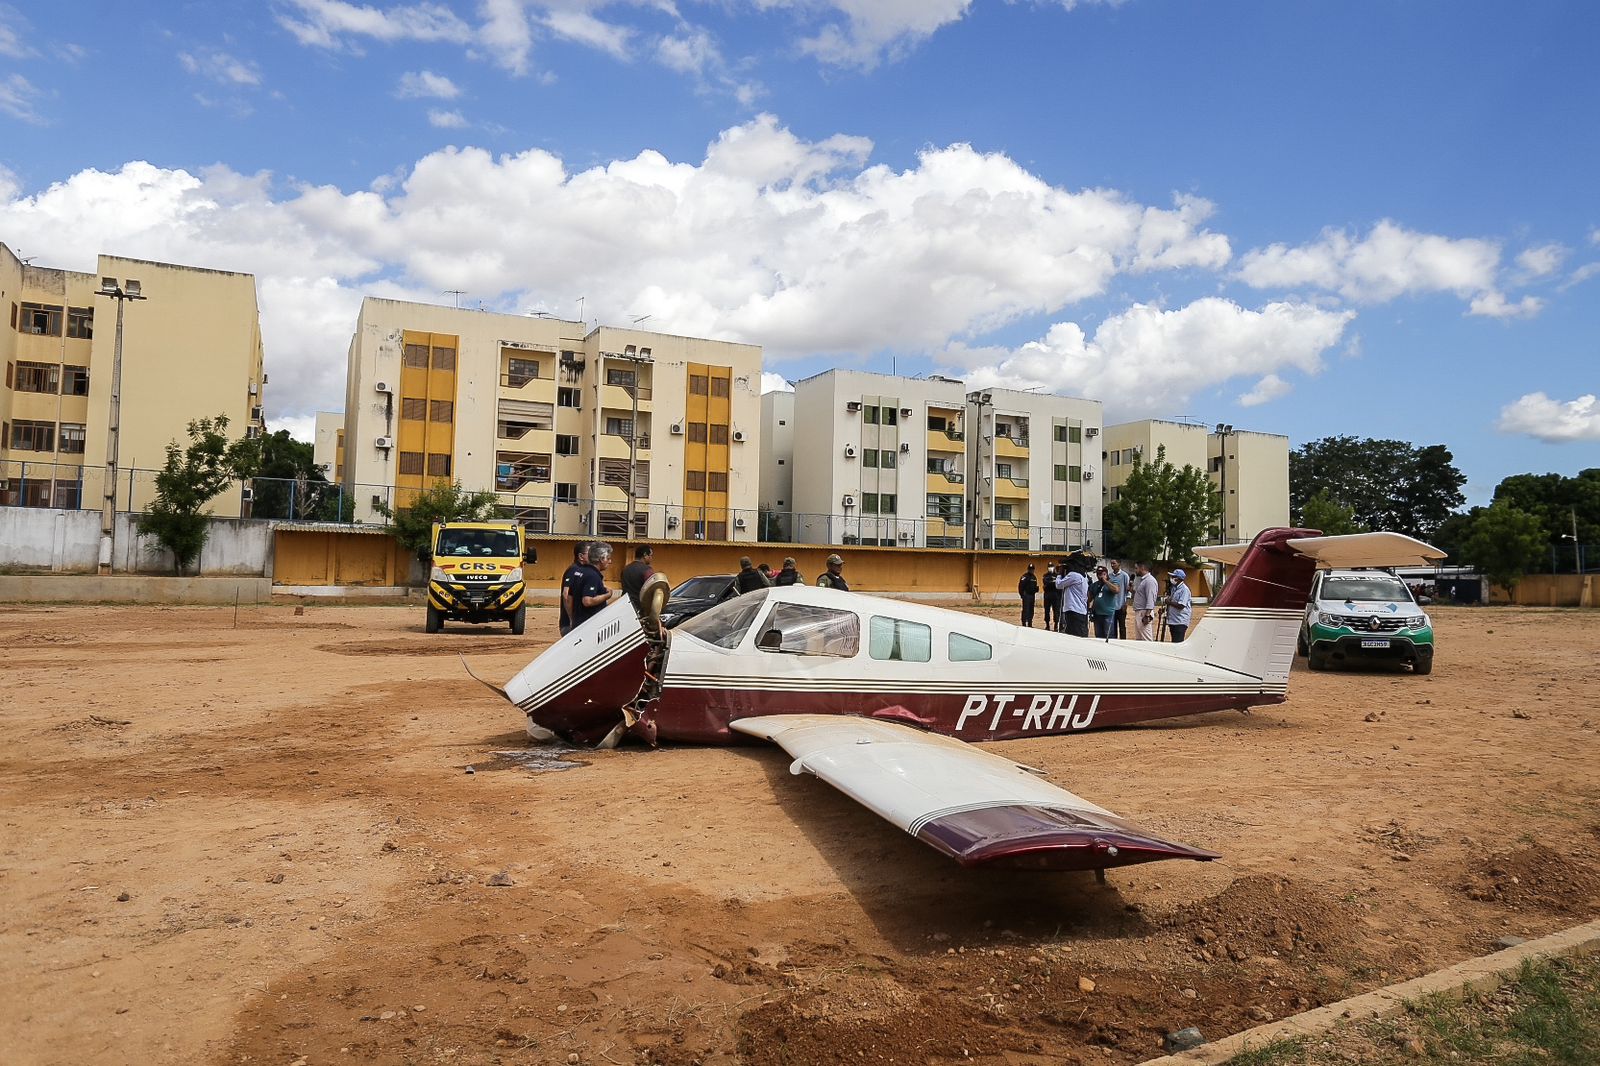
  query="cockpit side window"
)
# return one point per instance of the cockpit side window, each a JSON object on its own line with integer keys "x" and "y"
{"x": 899, "y": 641}
{"x": 964, "y": 649}
{"x": 806, "y": 630}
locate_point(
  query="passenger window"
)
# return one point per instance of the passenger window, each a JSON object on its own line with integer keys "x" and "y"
{"x": 800, "y": 630}
{"x": 967, "y": 650}
{"x": 895, "y": 640}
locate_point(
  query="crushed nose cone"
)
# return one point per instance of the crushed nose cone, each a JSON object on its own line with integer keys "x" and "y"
{"x": 578, "y": 687}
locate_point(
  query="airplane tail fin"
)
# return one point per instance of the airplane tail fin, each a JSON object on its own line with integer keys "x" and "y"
{"x": 1251, "y": 627}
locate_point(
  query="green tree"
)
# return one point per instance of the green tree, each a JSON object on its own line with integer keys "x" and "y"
{"x": 1324, "y": 512}
{"x": 442, "y": 501}
{"x": 1162, "y": 511}
{"x": 1504, "y": 543}
{"x": 1388, "y": 484}
{"x": 289, "y": 484}
{"x": 191, "y": 478}
{"x": 1560, "y": 502}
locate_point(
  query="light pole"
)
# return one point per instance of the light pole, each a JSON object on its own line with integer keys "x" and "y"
{"x": 1224, "y": 431}
{"x": 121, "y": 293}
{"x": 980, "y": 400}
{"x": 1577, "y": 552}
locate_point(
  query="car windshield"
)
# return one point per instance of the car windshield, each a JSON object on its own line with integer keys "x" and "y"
{"x": 725, "y": 624}
{"x": 1368, "y": 588}
{"x": 461, "y": 543}
{"x": 701, "y": 588}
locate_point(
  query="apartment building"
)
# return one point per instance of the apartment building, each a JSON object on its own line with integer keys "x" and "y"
{"x": 1250, "y": 469}
{"x": 776, "y": 489}
{"x": 1033, "y": 461}
{"x": 611, "y": 432}
{"x": 327, "y": 444}
{"x": 191, "y": 349}
{"x": 877, "y": 459}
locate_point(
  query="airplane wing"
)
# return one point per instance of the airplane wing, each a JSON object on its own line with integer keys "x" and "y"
{"x": 1338, "y": 553}
{"x": 979, "y": 809}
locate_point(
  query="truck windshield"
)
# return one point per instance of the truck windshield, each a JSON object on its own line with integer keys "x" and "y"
{"x": 1377, "y": 588}
{"x": 460, "y": 543}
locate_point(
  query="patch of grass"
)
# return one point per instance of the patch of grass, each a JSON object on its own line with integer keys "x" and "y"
{"x": 1277, "y": 1053}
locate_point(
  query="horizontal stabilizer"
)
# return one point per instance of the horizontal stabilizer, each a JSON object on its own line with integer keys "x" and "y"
{"x": 978, "y": 808}
{"x": 1341, "y": 553}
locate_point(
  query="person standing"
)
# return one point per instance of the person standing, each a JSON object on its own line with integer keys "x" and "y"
{"x": 580, "y": 556}
{"x": 1119, "y": 578}
{"x": 788, "y": 575}
{"x": 1102, "y": 603}
{"x": 589, "y": 593}
{"x": 750, "y": 579}
{"x": 1028, "y": 589}
{"x": 636, "y": 573}
{"x": 1052, "y": 599}
{"x": 1145, "y": 594}
{"x": 1074, "y": 602}
{"x": 833, "y": 577}
{"x": 1179, "y": 605}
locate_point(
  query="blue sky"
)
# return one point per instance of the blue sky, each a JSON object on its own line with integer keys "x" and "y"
{"x": 1357, "y": 217}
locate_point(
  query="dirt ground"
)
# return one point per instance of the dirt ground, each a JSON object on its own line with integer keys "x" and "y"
{"x": 261, "y": 844}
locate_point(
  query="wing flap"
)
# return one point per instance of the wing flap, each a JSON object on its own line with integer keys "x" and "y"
{"x": 977, "y": 807}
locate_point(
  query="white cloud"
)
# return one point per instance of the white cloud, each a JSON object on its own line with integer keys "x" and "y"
{"x": 1582, "y": 274}
{"x": 19, "y": 98}
{"x": 13, "y": 27}
{"x": 771, "y": 382}
{"x": 446, "y": 120}
{"x": 1266, "y": 390}
{"x": 1493, "y": 304}
{"x": 1147, "y": 360}
{"x": 801, "y": 246}
{"x": 1537, "y": 415}
{"x": 220, "y": 67}
{"x": 301, "y": 427}
{"x": 1389, "y": 262}
{"x": 425, "y": 85}
{"x": 326, "y": 23}
{"x": 583, "y": 28}
{"x": 871, "y": 29}
{"x": 1542, "y": 261}
{"x": 506, "y": 33}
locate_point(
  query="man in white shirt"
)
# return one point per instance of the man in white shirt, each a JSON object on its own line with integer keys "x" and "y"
{"x": 1074, "y": 588}
{"x": 1178, "y": 607}
{"x": 1145, "y": 594}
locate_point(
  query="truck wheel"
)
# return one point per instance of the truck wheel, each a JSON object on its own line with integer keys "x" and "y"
{"x": 519, "y": 620}
{"x": 1423, "y": 663}
{"x": 435, "y": 619}
{"x": 1317, "y": 660}
{"x": 1300, "y": 643}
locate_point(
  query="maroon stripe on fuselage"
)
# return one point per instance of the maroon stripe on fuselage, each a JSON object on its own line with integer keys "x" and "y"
{"x": 701, "y": 715}
{"x": 1020, "y": 836}
{"x": 1270, "y": 573}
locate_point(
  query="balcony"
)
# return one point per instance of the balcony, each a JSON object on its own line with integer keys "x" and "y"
{"x": 615, "y": 446}
{"x": 529, "y": 437}
{"x": 1011, "y": 446}
{"x": 621, "y": 397}
{"x": 946, "y": 440}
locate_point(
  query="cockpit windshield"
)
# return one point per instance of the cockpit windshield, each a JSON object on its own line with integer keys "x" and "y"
{"x": 463, "y": 543}
{"x": 726, "y": 624}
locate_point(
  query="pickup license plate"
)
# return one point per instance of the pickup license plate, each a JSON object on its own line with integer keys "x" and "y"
{"x": 1374, "y": 643}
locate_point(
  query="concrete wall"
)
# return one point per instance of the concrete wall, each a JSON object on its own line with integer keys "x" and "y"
{"x": 51, "y": 541}
{"x": 86, "y": 588}
{"x": 1551, "y": 590}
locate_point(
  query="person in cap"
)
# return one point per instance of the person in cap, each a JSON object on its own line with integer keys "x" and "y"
{"x": 833, "y": 577}
{"x": 788, "y": 575}
{"x": 1179, "y": 606}
{"x": 1146, "y": 594}
{"x": 580, "y": 558}
{"x": 1052, "y": 598}
{"x": 1028, "y": 589}
{"x": 750, "y": 579}
{"x": 1102, "y": 603}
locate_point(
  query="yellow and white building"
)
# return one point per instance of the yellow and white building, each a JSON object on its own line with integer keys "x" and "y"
{"x": 1034, "y": 459}
{"x": 191, "y": 349}
{"x": 573, "y": 428}
{"x": 327, "y": 446}
{"x": 1249, "y": 469}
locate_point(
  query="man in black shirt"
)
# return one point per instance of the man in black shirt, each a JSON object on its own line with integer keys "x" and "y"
{"x": 588, "y": 589}
{"x": 580, "y": 556}
{"x": 833, "y": 577}
{"x": 750, "y": 579}
{"x": 788, "y": 575}
{"x": 636, "y": 573}
{"x": 1028, "y": 589}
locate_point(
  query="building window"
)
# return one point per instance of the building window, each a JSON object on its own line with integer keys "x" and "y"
{"x": 1061, "y": 471}
{"x": 716, "y": 530}
{"x": 1061, "y": 436}
{"x": 413, "y": 408}
{"x": 1074, "y": 473}
{"x": 1074, "y": 514}
{"x": 946, "y": 506}
{"x": 439, "y": 465}
{"x": 566, "y": 444}
{"x": 566, "y": 492}
{"x": 699, "y": 385}
{"x": 38, "y": 377}
{"x": 76, "y": 381}
{"x": 886, "y": 459}
{"x": 694, "y": 480}
{"x": 71, "y": 442}
{"x": 619, "y": 427}
{"x": 1075, "y": 434}
{"x": 41, "y": 318}
{"x": 619, "y": 376}
{"x": 869, "y": 415}
{"x": 69, "y": 495}
{"x": 697, "y": 432}
{"x": 444, "y": 358}
{"x": 521, "y": 371}
{"x": 717, "y": 481}
{"x": 720, "y": 387}
{"x": 869, "y": 503}
{"x": 1002, "y": 512}
{"x": 869, "y": 456}
{"x": 719, "y": 432}
{"x": 568, "y": 398}
{"x": 416, "y": 356}
{"x": 80, "y": 323}
{"x": 891, "y": 417}
{"x": 411, "y": 462}
{"x": 1061, "y": 512}
{"x": 442, "y": 410}
{"x": 33, "y": 436}
{"x": 886, "y": 502}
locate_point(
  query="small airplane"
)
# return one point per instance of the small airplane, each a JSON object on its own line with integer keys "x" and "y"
{"x": 880, "y": 698}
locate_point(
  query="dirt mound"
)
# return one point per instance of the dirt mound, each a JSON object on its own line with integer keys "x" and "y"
{"x": 1260, "y": 915}
{"x": 1537, "y": 878}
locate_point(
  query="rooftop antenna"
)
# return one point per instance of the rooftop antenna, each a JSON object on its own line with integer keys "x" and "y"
{"x": 580, "y": 307}
{"x": 530, "y": 312}
{"x": 457, "y": 293}
{"x": 640, "y": 318}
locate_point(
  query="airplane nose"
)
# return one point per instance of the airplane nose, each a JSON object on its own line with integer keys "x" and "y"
{"x": 577, "y": 688}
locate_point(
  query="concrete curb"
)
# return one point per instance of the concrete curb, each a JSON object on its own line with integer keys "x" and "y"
{"x": 1474, "y": 975}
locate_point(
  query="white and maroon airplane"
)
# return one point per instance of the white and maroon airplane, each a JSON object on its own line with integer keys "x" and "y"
{"x": 878, "y": 697}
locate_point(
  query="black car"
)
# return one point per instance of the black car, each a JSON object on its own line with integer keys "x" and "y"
{"x": 696, "y": 596}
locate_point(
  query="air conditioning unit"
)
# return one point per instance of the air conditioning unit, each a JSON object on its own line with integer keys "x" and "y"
{"x": 254, "y": 388}
{"x": 247, "y": 494}
{"x": 905, "y": 448}
{"x": 1092, "y": 431}
{"x": 1088, "y": 475}
{"x": 738, "y": 523}
{"x": 384, "y": 443}
{"x": 672, "y": 521}
{"x": 677, "y": 429}
{"x": 382, "y": 386}
{"x": 905, "y": 534}
{"x": 848, "y": 500}
{"x": 906, "y": 412}
{"x": 849, "y": 451}
{"x": 852, "y": 407}
{"x": 738, "y": 436}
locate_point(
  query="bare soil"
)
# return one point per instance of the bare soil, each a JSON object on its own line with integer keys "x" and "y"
{"x": 262, "y": 844}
